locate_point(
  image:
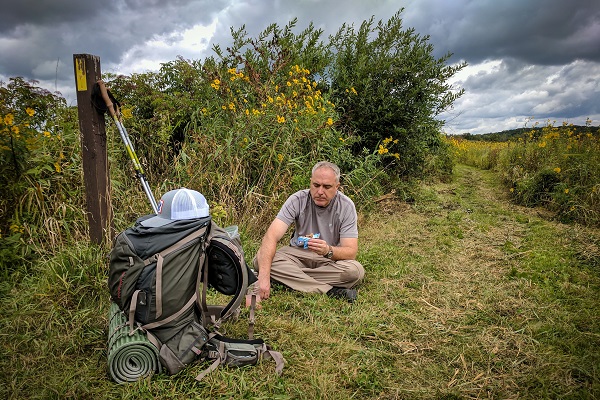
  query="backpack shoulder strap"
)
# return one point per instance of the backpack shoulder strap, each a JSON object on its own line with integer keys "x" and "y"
{"x": 217, "y": 234}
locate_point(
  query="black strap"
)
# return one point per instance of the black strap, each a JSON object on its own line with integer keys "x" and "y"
{"x": 99, "y": 103}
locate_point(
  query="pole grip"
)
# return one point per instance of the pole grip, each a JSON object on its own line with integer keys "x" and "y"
{"x": 104, "y": 93}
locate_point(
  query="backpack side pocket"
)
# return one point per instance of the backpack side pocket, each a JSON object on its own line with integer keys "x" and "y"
{"x": 183, "y": 348}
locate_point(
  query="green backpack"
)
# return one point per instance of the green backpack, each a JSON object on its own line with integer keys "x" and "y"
{"x": 158, "y": 276}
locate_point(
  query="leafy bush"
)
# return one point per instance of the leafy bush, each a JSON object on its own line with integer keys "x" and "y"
{"x": 245, "y": 127}
{"x": 40, "y": 172}
{"x": 389, "y": 88}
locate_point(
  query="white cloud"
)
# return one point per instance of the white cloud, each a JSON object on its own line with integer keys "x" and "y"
{"x": 503, "y": 95}
{"x": 190, "y": 43}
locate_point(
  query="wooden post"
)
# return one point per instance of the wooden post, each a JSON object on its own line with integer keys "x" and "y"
{"x": 93, "y": 147}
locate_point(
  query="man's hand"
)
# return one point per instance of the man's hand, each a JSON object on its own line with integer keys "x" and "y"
{"x": 264, "y": 286}
{"x": 249, "y": 301}
{"x": 319, "y": 246}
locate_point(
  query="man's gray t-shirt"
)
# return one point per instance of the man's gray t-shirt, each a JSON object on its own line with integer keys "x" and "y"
{"x": 337, "y": 220}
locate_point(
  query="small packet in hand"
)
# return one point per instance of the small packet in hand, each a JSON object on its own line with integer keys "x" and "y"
{"x": 303, "y": 240}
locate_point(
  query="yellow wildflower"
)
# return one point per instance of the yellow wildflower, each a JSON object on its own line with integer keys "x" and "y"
{"x": 15, "y": 228}
{"x": 46, "y": 133}
{"x": 127, "y": 113}
{"x": 281, "y": 120}
{"x": 566, "y": 191}
{"x": 15, "y": 129}
{"x": 557, "y": 170}
{"x": 329, "y": 121}
{"x": 280, "y": 157}
{"x": 382, "y": 150}
{"x": 8, "y": 119}
{"x": 30, "y": 111}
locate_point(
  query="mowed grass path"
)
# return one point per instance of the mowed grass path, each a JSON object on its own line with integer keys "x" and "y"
{"x": 466, "y": 296}
{"x": 490, "y": 300}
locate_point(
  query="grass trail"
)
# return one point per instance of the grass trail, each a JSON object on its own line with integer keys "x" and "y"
{"x": 466, "y": 296}
{"x": 498, "y": 301}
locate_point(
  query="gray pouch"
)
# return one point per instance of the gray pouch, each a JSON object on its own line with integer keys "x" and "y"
{"x": 183, "y": 348}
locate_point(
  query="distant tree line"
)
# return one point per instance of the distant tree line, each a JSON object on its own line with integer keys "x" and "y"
{"x": 523, "y": 133}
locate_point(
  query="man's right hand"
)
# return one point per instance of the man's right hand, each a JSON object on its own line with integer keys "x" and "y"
{"x": 264, "y": 286}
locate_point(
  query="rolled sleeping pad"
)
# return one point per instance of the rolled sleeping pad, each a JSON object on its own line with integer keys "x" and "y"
{"x": 129, "y": 357}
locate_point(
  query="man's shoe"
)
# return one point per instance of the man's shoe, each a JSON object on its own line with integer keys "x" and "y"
{"x": 343, "y": 293}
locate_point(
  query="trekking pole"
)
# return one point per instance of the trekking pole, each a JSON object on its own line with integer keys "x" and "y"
{"x": 128, "y": 145}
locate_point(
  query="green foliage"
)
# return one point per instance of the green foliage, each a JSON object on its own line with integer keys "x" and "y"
{"x": 40, "y": 172}
{"x": 554, "y": 167}
{"x": 388, "y": 86}
{"x": 245, "y": 127}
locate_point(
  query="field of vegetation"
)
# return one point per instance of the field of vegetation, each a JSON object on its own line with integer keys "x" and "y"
{"x": 482, "y": 257}
{"x": 557, "y": 167}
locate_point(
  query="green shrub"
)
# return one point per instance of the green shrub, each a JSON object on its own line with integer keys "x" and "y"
{"x": 388, "y": 86}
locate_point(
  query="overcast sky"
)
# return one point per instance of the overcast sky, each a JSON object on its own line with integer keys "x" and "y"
{"x": 527, "y": 58}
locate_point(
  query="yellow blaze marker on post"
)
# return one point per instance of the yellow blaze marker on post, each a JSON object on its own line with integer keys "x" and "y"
{"x": 80, "y": 75}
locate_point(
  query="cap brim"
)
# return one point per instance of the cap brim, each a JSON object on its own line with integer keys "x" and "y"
{"x": 156, "y": 221}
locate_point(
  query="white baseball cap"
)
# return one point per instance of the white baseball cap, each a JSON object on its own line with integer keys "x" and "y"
{"x": 178, "y": 204}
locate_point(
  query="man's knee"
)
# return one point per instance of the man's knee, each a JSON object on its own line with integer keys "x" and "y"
{"x": 354, "y": 272}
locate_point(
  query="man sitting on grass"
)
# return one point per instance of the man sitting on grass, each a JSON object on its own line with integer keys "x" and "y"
{"x": 326, "y": 220}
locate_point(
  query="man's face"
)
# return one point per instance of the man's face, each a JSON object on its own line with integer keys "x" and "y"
{"x": 323, "y": 186}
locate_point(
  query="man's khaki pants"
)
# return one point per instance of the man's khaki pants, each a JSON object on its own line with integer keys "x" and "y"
{"x": 306, "y": 271}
